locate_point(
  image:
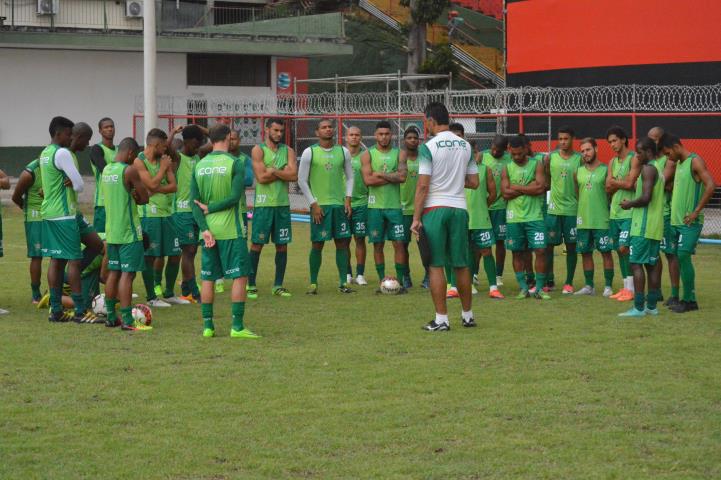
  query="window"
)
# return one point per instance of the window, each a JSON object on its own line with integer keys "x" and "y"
{"x": 228, "y": 70}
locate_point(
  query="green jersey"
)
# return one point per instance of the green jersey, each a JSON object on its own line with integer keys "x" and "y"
{"x": 660, "y": 164}
{"x": 477, "y": 203}
{"x": 526, "y": 208}
{"x": 388, "y": 195}
{"x": 182, "y": 177}
{"x": 647, "y": 222}
{"x": 160, "y": 204}
{"x": 327, "y": 175}
{"x": 620, "y": 170}
{"x": 109, "y": 154}
{"x": 496, "y": 165}
{"x": 563, "y": 189}
{"x": 408, "y": 188}
{"x": 244, "y": 160}
{"x": 687, "y": 192}
{"x": 33, "y": 201}
{"x": 274, "y": 194}
{"x": 214, "y": 179}
{"x": 59, "y": 201}
{"x": 359, "y": 197}
{"x": 592, "y": 198}
{"x": 122, "y": 225}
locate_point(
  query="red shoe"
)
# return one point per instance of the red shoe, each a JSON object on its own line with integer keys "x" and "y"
{"x": 567, "y": 290}
{"x": 626, "y": 296}
{"x": 618, "y": 294}
{"x": 452, "y": 293}
{"x": 496, "y": 294}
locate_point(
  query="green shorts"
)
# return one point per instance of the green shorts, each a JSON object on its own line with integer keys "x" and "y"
{"x": 34, "y": 238}
{"x": 526, "y": 235}
{"x": 686, "y": 238}
{"x": 644, "y": 251}
{"x": 498, "y": 221}
{"x": 186, "y": 228}
{"x": 271, "y": 223}
{"x": 99, "y": 219}
{"x": 62, "y": 238}
{"x": 588, "y": 239}
{"x": 385, "y": 224}
{"x": 407, "y": 222}
{"x": 359, "y": 221}
{"x": 334, "y": 225}
{"x": 668, "y": 242}
{"x": 227, "y": 259}
{"x": 561, "y": 228}
{"x": 447, "y": 232}
{"x": 620, "y": 231}
{"x": 162, "y": 235}
{"x": 481, "y": 238}
{"x": 126, "y": 257}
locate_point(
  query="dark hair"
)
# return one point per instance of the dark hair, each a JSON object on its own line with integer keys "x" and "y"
{"x": 526, "y": 140}
{"x": 501, "y": 141}
{"x": 517, "y": 142}
{"x": 219, "y": 132}
{"x": 669, "y": 140}
{"x": 456, "y": 127}
{"x": 383, "y": 124}
{"x": 437, "y": 111}
{"x": 317, "y": 126}
{"x": 156, "y": 134}
{"x": 647, "y": 144}
{"x": 103, "y": 120}
{"x": 128, "y": 143}
{"x": 590, "y": 140}
{"x": 619, "y": 132}
{"x": 412, "y": 129}
{"x": 82, "y": 129}
{"x": 59, "y": 123}
{"x": 273, "y": 120}
{"x": 193, "y": 132}
{"x": 568, "y": 130}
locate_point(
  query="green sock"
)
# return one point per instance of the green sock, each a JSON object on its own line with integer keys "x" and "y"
{"x": 157, "y": 276}
{"x": 206, "y": 310}
{"x": 451, "y": 275}
{"x": 674, "y": 291}
{"x": 148, "y": 281}
{"x": 254, "y": 261}
{"x": 281, "y": 262}
{"x": 381, "y": 270}
{"x": 571, "y": 260}
{"x": 639, "y": 301}
{"x": 56, "y": 300}
{"x": 521, "y": 279}
{"x": 36, "y": 291}
{"x": 171, "y": 275}
{"x": 540, "y": 281}
{"x": 79, "y": 302}
{"x": 315, "y": 259}
{"x": 530, "y": 277}
{"x": 110, "y": 304}
{"x": 608, "y": 276}
{"x": 588, "y": 277}
{"x": 499, "y": 267}
{"x": 652, "y": 299}
{"x": 126, "y": 314}
{"x": 549, "y": 268}
{"x": 360, "y": 268}
{"x": 400, "y": 271}
{"x": 688, "y": 277}
{"x": 489, "y": 266}
{"x": 341, "y": 263}
{"x": 238, "y": 309}
{"x": 624, "y": 265}
{"x": 184, "y": 288}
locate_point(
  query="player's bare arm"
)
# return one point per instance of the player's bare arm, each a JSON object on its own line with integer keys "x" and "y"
{"x": 172, "y": 185}
{"x": 263, "y": 174}
{"x": 4, "y": 181}
{"x": 700, "y": 173}
{"x": 490, "y": 187}
{"x": 471, "y": 181}
{"x": 289, "y": 173}
{"x": 151, "y": 182}
{"x": 135, "y": 186}
{"x": 547, "y": 169}
{"x": 422, "y": 187}
{"x": 506, "y": 190}
{"x": 648, "y": 180}
{"x": 25, "y": 181}
{"x": 398, "y": 176}
{"x": 370, "y": 178}
{"x": 669, "y": 172}
{"x": 537, "y": 186}
{"x": 610, "y": 188}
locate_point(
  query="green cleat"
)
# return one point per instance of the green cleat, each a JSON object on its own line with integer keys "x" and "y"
{"x": 245, "y": 333}
{"x": 158, "y": 290}
{"x": 312, "y": 290}
{"x": 252, "y": 293}
{"x": 633, "y": 313}
{"x": 541, "y": 295}
{"x": 208, "y": 333}
{"x": 281, "y": 292}
{"x": 522, "y": 294}
{"x": 650, "y": 311}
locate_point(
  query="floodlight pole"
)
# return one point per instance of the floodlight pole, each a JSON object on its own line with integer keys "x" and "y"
{"x": 149, "y": 66}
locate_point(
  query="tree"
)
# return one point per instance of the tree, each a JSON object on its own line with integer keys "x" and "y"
{"x": 439, "y": 62}
{"x": 423, "y": 12}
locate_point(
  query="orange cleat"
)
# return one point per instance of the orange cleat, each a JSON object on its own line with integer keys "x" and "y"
{"x": 496, "y": 294}
{"x": 618, "y": 294}
{"x": 452, "y": 293}
{"x": 627, "y": 295}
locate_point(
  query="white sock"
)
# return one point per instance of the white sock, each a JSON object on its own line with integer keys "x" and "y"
{"x": 441, "y": 318}
{"x": 630, "y": 284}
{"x": 467, "y": 315}
{"x": 493, "y": 287}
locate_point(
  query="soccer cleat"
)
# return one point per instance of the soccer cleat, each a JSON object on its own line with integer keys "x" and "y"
{"x": 426, "y": 283}
{"x": 671, "y": 302}
{"x": 136, "y": 327}
{"x": 60, "y": 317}
{"x": 532, "y": 290}
{"x": 468, "y": 323}
{"x": 113, "y": 323}
{"x": 523, "y": 294}
{"x": 633, "y": 313}
{"x": 475, "y": 279}
{"x": 542, "y": 295}
{"x": 607, "y": 292}
{"x": 550, "y": 285}
{"x": 567, "y": 290}
{"x": 452, "y": 292}
{"x": 361, "y": 280}
{"x": 586, "y": 290}
{"x": 496, "y": 294}
{"x": 44, "y": 302}
{"x": 432, "y": 326}
{"x": 135, "y": 295}
{"x": 650, "y": 311}
{"x": 88, "y": 317}
{"x": 245, "y": 333}
{"x": 546, "y": 289}
{"x": 36, "y": 300}
{"x": 158, "y": 303}
{"x": 474, "y": 290}
{"x": 252, "y": 293}
{"x": 281, "y": 292}
{"x": 349, "y": 279}
{"x": 407, "y": 282}
{"x": 158, "y": 290}
{"x": 684, "y": 306}
{"x": 499, "y": 281}
{"x": 176, "y": 300}
{"x": 345, "y": 289}
{"x": 626, "y": 297}
{"x": 618, "y": 294}
{"x": 208, "y": 333}
{"x": 219, "y": 285}
{"x": 312, "y": 290}
{"x": 189, "y": 298}
{"x": 3, "y": 311}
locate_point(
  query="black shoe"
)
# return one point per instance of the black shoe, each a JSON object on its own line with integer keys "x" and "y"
{"x": 432, "y": 326}
{"x": 684, "y": 306}
{"x": 112, "y": 324}
{"x": 426, "y": 282}
{"x": 468, "y": 323}
{"x": 402, "y": 291}
{"x": 551, "y": 285}
{"x": 345, "y": 289}
{"x": 671, "y": 302}
{"x": 407, "y": 282}
{"x": 88, "y": 317}
{"x": 59, "y": 317}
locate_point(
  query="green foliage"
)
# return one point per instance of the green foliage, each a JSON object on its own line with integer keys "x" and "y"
{"x": 440, "y": 61}
{"x": 425, "y": 11}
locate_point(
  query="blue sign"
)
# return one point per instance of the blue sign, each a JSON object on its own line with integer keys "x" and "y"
{"x": 283, "y": 80}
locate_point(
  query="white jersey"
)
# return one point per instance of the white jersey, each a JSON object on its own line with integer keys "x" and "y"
{"x": 447, "y": 158}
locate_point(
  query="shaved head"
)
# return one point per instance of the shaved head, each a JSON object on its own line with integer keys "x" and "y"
{"x": 656, "y": 133}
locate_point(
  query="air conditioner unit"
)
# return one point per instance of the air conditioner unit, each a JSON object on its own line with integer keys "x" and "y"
{"x": 134, "y": 9}
{"x": 48, "y": 7}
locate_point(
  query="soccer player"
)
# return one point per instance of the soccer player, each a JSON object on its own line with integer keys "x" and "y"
{"x": 4, "y": 185}
{"x": 383, "y": 171}
{"x": 496, "y": 158}
{"x": 592, "y": 222}
{"x": 523, "y": 183}
{"x": 561, "y": 165}
{"x": 325, "y": 176}
{"x": 218, "y": 184}
{"x": 693, "y": 187}
{"x": 123, "y": 191}
{"x": 27, "y": 196}
{"x": 358, "y": 203}
{"x": 275, "y": 165}
{"x": 156, "y": 171}
{"x": 102, "y": 154}
{"x": 446, "y": 167}
{"x": 621, "y": 183}
{"x": 646, "y": 231}
{"x": 409, "y": 155}
{"x": 540, "y": 157}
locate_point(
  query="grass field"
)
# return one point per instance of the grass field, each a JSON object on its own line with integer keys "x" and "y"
{"x": 350, "y": 387}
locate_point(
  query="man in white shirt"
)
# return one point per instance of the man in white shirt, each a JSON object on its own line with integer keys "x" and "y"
{"x": 446, "y": 168}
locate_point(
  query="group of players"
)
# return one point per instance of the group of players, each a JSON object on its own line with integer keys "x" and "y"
{"x": 154, "y": 206}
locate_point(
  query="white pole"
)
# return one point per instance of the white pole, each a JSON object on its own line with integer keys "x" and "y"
{"x": 149, "y": 64}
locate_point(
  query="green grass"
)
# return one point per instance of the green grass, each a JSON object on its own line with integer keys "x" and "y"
{"x": 350, "y": 387}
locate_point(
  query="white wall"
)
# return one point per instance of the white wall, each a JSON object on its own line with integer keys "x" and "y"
{"x": 36, "y": 85}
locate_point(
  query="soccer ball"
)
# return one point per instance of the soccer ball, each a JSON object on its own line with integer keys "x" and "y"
{"x": 142, "y": 314}
{"x": 390, "y": 286}
{"x": 99, "y": 307}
